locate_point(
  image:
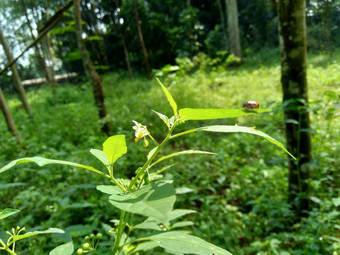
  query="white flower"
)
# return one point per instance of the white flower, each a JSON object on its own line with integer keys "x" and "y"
{"x": 141, "y": 131}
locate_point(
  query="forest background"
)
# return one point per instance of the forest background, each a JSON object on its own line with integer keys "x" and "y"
{"x": 241, "y": 194}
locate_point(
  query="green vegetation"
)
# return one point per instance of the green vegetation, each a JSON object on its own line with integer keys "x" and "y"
{"x": 240, "y": 194}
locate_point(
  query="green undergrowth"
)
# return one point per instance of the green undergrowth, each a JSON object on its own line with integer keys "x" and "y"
{"x": 240, "y": 194}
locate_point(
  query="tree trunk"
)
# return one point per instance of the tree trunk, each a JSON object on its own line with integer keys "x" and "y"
{"x": 90, "y": 71}
{"x": 50, "y": 79}
{"x": 126, "y": 53}
{"x": 8, "y": 116}
{"x": 49, "y": 50}
{"x": 15, "y": 76}
{"x": 233, "y": 29}
{"x": 292, "y": 35}
{"x": 224, "y": 30}
{"x": 140, "y": 34}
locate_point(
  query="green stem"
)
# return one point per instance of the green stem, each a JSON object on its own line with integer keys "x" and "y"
{"x": 120, "y": 231}
{"x": 137, "y": 240}
{"x": 185, "y": 133}
{"x": 148, "y": 162}
{"x": 140, "y": 172}
{"x": 153, "y": 139}
{"x": 114, "y": 180}
{"x": 6, "y": 248}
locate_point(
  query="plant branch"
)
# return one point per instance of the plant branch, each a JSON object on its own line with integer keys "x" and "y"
{"x": 6, "y": 248}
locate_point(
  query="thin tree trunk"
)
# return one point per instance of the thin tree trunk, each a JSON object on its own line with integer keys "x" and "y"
{"x": 45, "y": 43}
{"x": 292, "y": 33}
{"x": 48, "y": 42}
{"x": 95, "y": 50}
{"x": 224, "y": 30}
{"x": 103, "y": 48}
{"x": 126, "y": 52}
{"x": 8, "y": 116}
{"x": 15, "y": 76}
{"x": 40, "y": 58}
{"x": 140, "y": 33}
{"x": 90, "y": 71}
{"x": 233, "y": 29}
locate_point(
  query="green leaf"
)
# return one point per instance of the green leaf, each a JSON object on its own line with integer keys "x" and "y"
{"x": 44, "y": 161}
{"x": 79, "y": 230}
{"x": 182, "y": 153}
{"x": 145, "y": 246}
{"x": 64, "y": 249}
{"x": 149, "y": 224}
{"x": 109, "y": 189}
{"x": 182, "y": 242}
{"x": 183, "y": 190}
{"x": 163, "y": 117}
{"x": 101, "y": 156}
{"x": 155, "y": 200}
{"x": 179, "y": 213}
{"x": 29, "y": 234}
{"x": 169, "y": 97}
{"x": 182, "y": 224}
{"x": 8, "y": 212}
{"x": 150, "y": 154}
{"x": 241, "y": 129}
{"x": 114, "y": 147}
{"x": 210, "y": 114}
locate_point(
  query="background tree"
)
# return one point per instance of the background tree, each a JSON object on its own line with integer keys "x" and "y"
{"x": 141, "y": 38}
{"x": 49, "y": 77}
{"x": 233, "y": 28}
{"x": 46, "y": 42}
{"x": 15, "y": 75}
{"x": 292, "y": 28}
{"x": 90, "y": 71}
{"x": 223, "y": 24}
{"x": 8, "y": 116}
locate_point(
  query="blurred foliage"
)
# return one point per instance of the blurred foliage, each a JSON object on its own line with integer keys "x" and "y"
{"x": 171, "y": 29}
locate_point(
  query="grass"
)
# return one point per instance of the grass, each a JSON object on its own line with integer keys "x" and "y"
{"x": 240, "y": 194}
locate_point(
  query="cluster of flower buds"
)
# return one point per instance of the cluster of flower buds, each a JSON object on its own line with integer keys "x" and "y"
{"x": 91, "y": 243}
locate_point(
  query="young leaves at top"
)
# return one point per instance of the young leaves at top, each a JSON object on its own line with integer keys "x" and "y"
{"x": 169, "y": 97}
{"x": 210, "y": 114}
{"x": 164, "y": 118}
